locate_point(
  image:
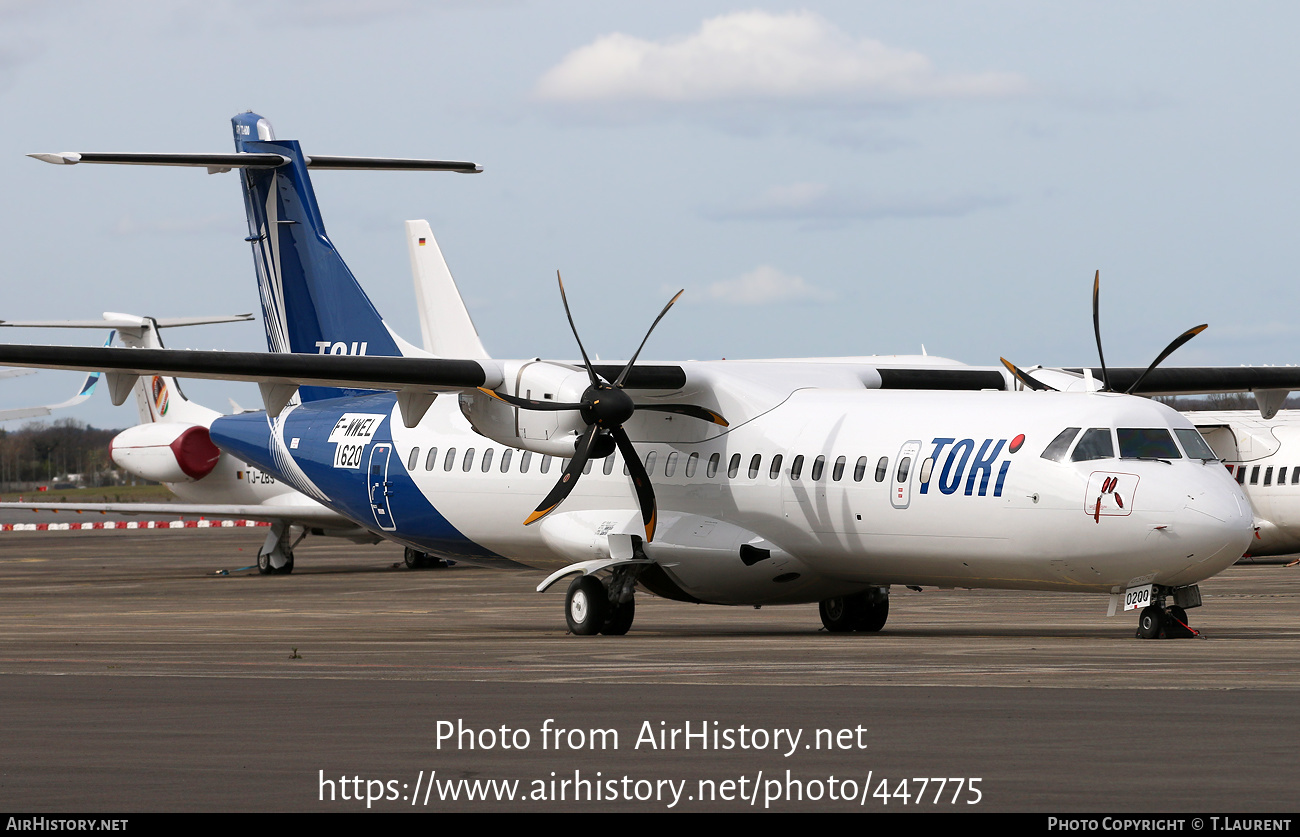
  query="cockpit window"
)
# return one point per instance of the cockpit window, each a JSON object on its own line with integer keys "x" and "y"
{"x": 1061, "y": 444}
{"x": 1194, "y": 444}
{"x": 1095, "y": 444}
{"x": 1147, "y": 443}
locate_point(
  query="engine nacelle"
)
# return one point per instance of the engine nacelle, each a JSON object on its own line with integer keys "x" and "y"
{"x": 552, "y": 433}
{"x": 165, "y": 452}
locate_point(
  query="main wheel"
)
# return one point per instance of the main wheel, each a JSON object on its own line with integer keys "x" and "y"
{"x": 1150, "y": 623}
{"x": 620, "y": 618}
{"x": 288, "y": 565}
{"x": 586, "y": 605}
{"x": 415, "y": 559}
{"x": 873, "y": 615}
{"x": 264, "y": 563}
{"x": 839, "y": 614}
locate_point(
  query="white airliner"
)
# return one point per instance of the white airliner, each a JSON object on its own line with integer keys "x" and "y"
{"x": 727, "y": 482}
{"x": 1263, "y": 455}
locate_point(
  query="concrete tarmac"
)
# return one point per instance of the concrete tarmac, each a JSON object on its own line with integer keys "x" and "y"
{"x": 135, "y": 677}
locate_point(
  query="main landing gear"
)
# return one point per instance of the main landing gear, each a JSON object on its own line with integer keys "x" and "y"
{"x": 864, "y": 612}
{"x": 417, "y": 560}
{"x": 276, "y": 555}
{"x": 595, "y": 607}
{"x": 1158, "y": 622}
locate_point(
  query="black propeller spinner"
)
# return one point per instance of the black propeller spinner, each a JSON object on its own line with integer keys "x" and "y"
{"x": 605, "y": 407}
{"x": 1033, "y": 383}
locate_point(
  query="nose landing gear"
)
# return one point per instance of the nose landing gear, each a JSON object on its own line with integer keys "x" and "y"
{"x": 1158, "y": 622}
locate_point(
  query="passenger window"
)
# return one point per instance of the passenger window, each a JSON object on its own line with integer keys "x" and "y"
{"x": 1241, "y": 474}
{"x": 650, "y": 462}
{"x": 1281, "y": 475}
{"x": 796, "y": 468}
{"x": 713, "y": 465}
{"x": 1095, "y": 444}
{"x": 487, "y": 460}
{"x": 670, "y": 464}
{"x": 754, "y": 465}
{"x": 1268, "y": 475}
{"x": 904, "y": 465}
{"x": 1060, "y": 445}
{"x": 450, "y": 459}
{"x": 733, "y": 466}
{"x": 860, "y": 470}
{"x": 882, "y": 468}
{"x": 413, "y": 459}
{"x": 586, "y": 466}
{"x": 838, "y": 470}
{"x": 469, "y": 460}
{"x": 506, "y": 456}
{"x": 431, "y": 460}
{"x": 524, "y": 459}
{"x": 692, "y": 462}
{"x": 775, "y": 470}
{"x": 819, "y": 465}
{"x": 1147, "y": 443}
{"x": 927, "y": 468}
{"x": 1295, "y": 476}
{"x": 1254, "y": 475}
{"x": 545, "y": 464}
{"x": 609, "y": 465}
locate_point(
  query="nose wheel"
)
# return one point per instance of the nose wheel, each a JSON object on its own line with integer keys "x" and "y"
{"x": 1156, "y": 622}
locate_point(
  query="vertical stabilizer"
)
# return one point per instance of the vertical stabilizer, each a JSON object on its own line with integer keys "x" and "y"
{"x": 445, "y": 323}
{"x": 311, "y": 302}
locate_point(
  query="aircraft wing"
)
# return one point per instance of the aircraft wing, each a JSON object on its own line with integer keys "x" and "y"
{"x": 272, "y": 368}
{"x": 1198, "y": 380}
{"x": 86, "y": 390}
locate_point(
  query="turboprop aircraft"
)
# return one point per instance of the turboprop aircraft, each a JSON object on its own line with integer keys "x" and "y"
{"x": 724, "y": 482}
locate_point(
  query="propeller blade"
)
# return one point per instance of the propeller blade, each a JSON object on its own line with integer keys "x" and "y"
{"x": 595, "y": 379}
{"x": 686, "y": 410}
{"x": 529, "y": 403}
{"x": 1025, "y": 378}
{"x": 622, "y": 375}
{"x": 1096, "y": 328}
{"x": 1169, "y": 350}
{"x": 567, "y": 480}
{"x": 645, "y": 493}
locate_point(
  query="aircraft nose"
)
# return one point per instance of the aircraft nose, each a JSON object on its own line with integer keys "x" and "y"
{"x": 1215, "y": 524}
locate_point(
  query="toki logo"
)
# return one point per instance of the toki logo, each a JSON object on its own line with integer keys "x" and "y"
{"x": 975, "y": 465}
{"x": 1110, "y": 494}
{"x": 325, "y": 347}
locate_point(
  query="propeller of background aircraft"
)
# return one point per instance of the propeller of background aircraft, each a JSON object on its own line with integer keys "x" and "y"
{"x": 605, "y": 407}
{"x": 1033, "y": 383}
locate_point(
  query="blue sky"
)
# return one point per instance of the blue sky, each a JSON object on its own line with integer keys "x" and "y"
{"x": 823, "y": 179}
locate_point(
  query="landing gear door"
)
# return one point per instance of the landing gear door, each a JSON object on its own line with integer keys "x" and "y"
{"x": 380, "y": 487}
{"x": 900, "y": 490}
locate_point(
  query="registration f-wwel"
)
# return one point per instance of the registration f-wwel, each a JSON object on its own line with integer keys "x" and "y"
{"x": 723, "y": 482}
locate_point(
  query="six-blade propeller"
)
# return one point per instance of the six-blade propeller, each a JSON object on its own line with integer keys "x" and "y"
{"x": 1033, "y": 383}
{"x": 605, "y": 407}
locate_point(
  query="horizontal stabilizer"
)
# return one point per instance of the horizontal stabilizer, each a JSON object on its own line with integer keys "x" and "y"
{"x": 255, "y": 160}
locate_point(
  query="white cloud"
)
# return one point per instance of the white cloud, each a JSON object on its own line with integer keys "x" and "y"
{"x": 759, "y": 56}
{"x": 763, "y": 285}
{"x": 818, "y": 202}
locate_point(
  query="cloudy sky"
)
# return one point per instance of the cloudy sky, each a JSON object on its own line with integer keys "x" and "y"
{"x": 822, "y": 179}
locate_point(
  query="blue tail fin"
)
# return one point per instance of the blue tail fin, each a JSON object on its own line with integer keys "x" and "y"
{"x": 311, "y": 302}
